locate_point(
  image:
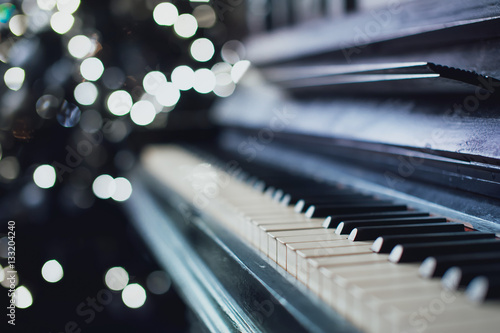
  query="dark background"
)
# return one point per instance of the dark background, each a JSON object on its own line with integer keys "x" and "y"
{"x": 90, "y": 237}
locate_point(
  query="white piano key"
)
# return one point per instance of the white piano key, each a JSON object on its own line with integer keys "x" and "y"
{"x": 305, "y": 256}
{"x": 292, "y": 247}
{"x": 326, "y": 275}
{"x": 286, "y": 246}
{"x": 295, "y": 234}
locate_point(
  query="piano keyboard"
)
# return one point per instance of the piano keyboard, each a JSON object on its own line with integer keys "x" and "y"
{"x": 375, "y": 261}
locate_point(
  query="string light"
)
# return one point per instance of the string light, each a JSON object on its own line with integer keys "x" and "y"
{"x": 61, "y": 22}
{"x": 86, "y": 93}
{"x": 52, "y": 271}
{"x": 165, "y": 14}
{"x": 143, "y": 113}
{"x": 116, "y": 278}
{"x": 183, "y": 77}
{"x": 80, "y": 46}
{"x": 45, "y": 176}
{"x": 202, "y": 50}
{"x": 153, "y": 99}
{"x": 92, "y": 69}
{"x": 14, "y": 78}
{"x": 134, "y": 296}
{"x": 204, "y": 80}
{"x": 186, "y": 25}
{"x": 23, "y": 297}
{"x": 119, "y": 103}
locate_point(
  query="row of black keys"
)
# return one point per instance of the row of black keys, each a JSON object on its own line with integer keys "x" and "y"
{"x": 461, "y": 258}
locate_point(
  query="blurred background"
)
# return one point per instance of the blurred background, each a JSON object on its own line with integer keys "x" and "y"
{"x": 84, "y": 85}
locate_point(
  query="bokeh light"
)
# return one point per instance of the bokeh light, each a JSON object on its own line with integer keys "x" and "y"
{"x": 32, "y": 195}
{"x": 143, "y": 113}
{"x": 18, "y": 24}
{"x": 61, "y": 22}
{"x": 204, "y": 80}
{"x": 52, "y": 271}
{"x": 134, "y": 296}
{"x": 9, "y": 168}
{"x": 165, "y": 14}
{"x": 116, "y": 130}
{"x": 46, "y": 4}
{"x": 233, "y": 51}
{"x": 68, "y": 115}
{"x": 168, "y": 94}
{"x": 205, "y": 16}
{"x": 183, "y": 77}
{"x": 45, "y": 176}
{"x": 47, "y": 106}
{"x": 116, "y": 278}
{"x": 68, "y": 6}
{"x": 119, "y": 103}
{"x": 104, "y": 186}
{"x": 6, "y": 12}
{"x": 91, "y": 69}
{"x": 225, "y": 90}
{"x": 80, "y": 46}
{"x": 6, "y": 283}
{"x": 23, "y": 298}
{"x": 202, "y": 50}
{"x": 152, "y": 99}
{"x": 86, "y": 93}
{"x": 153, "y": 81}
{"x": 14, "y": 78}
{"x": 185, "y": 26}
{"x": 158, "y": 282}
{"x": 239, "y": 69}
{"x": 123, "y": 189}
{"x": 91, "y": 121}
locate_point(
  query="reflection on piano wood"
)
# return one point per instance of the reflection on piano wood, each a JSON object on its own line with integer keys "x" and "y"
{"x": 378, "y": 282}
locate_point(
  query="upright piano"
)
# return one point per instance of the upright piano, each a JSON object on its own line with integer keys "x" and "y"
{"x": 352, "y": 183}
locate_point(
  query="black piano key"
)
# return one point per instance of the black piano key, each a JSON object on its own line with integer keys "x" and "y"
{"x": 311, "y": 189}
{"x": 459, "y": 276}
{"x": 385, "y": 244}
{"x": 372, "y": 233}
{"x": 483, "y": 288}
{"x": 327, "y": 210}
{"x": 418, "y": 252}
{"x": 292, "y": 198}
{"x": 436, "y": 265}
{"x": 285, "y": 180}
{"x": 333, "y": 221}
{"x": 345, "y": 227}
{"x": 335, "y": 200}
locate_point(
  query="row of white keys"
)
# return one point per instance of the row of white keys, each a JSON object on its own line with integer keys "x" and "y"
{"x": 293, "y": 241}
{"x": 310, "y": 248}
{"x": 374, "y": 294}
